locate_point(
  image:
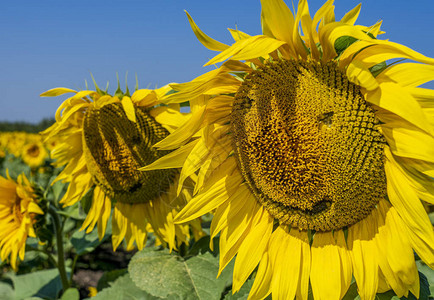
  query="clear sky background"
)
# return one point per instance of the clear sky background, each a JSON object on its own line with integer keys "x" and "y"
{"x": 53, "y": 43}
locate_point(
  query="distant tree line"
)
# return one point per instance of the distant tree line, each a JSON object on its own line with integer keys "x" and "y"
{"x": 25, "y": 126}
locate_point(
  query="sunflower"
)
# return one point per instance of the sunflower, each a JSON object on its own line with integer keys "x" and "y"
{"x": 34, "y": 154}
{"x": 102, "y": 140}
{"x": 18, "y": 211}
{"x": 16, "y": 142}
{"x": 314, "y": 151}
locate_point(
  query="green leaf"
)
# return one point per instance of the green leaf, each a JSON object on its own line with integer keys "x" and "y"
{"x": 123, "y": 289}
{"x": 73, "y": 212}
{"x": 86, "y": 242}
{"x": 15, "y": 166}
{"x": 378, "y": 68}
{"x": 71, "y": 294}
{"x": 58, "y": 189}
{"x": 44, "y": 284}
{"x": 86, "y": 200}
{"x": 343, "y": 43}
{"x": 352, "y": 292}
{"x": 428, "y": 272}
{"x": 108, "y": 277}
{"x": 170, "y": 276}
{"x": 243, "y": 293}
{"x": 6, "y": 291}
{"x": 424, "y": 288}
{"x": 389, "y": 295}
{"x": 202, "y": 246}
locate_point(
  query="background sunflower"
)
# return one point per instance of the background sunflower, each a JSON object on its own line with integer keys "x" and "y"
{"x": 18, "y": 211}
{"x": 102, "y": 140}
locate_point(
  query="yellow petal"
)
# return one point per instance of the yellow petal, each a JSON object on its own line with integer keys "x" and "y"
{"x": 34, "y": 208}
{"x": 77, "y": 189}
{"x": 360, "y": 75}
{"x": 252, "y": 249}
{"x": 372, "y": 52}
{"x": 425, "y": 97}
{"x": 362, "y": 248}
{"x": 302, "y": 13}
{"x": 119, "y": 224}
{"x": 411, "y": 210}
{"x": 319, "y": 15}
{"x": 104, "y": 217}
{"x": 57, "y": 92}
{"x": 183, "y": 133}
{"x": 394, "y": 98}
{"x": 203, "y": 38}
{"x": 305, "y": 268}
{"x": 239, "y": 227}
{"x": 285, "y": 252}
{"x": 422, "y": 183}
{"x": 168, "y": 116}
{"x": 234, "y": 205}
{"x": 174, "y": 159}
{"x": 252, "y": 47}
{"x": 279, "y": 20}
{"x": 351, "y": 16}
{"x": 396, "y": 250}
{"x": 94, "y": 211}
{"x": 408, "y": 74}
{"x": 213, "y": 84}
{"x": 208, "y": 146}
{"x": 129, "y": 109}
{"x": 144, "y": 98}
{"x": 409, "y": 142}
{"x": 383, "y": 239}
{"x": 238, "y": 35}
{"x": 330, "y": 267}
{"x": 262, "y": 285}
{"x": 218, "y": 189}
{"x": 329, "y": 33}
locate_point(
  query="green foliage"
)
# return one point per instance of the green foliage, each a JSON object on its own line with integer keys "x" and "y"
{"x": 343, "y": 43}
{"x": 108, "y": 277}
{"x": 352, "y": 292}
{"x": 6, "y": 292}
{"x": 15, "y": 166}
{"x": 26, "y": 127}
{"x": 84, "y": 243}
{"x": 45, "y": 284}
{"x": 71, "y": 294}
{"x": 378, "y": 68}
{"x": 169, "y": 276}
{"x": 123, "y": 288}
{"x": 242, "y": 294}
{"x": 86, "y": 200}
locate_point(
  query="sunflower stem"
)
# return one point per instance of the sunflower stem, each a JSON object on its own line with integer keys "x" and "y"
{"x": 74, "y": 262}
{"x": 60, "y": 252}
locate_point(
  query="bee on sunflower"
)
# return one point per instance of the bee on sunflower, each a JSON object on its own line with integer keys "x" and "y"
{"x": 315, "y": 152}
{"x": 102, "y": 140}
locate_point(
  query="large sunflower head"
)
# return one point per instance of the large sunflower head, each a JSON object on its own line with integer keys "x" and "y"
{"x": 315, "y": 151}
{"x": 102, "y": 141}
{"x": 18, "y": 213}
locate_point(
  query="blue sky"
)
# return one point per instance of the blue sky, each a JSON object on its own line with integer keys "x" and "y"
{"x": 52, "y": 43}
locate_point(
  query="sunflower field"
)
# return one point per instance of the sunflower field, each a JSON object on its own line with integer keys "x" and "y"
{"x": 301, "y": 167}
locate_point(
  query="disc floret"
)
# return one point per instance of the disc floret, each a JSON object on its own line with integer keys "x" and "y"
{"x": 308, "y": 145}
